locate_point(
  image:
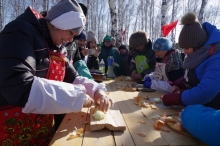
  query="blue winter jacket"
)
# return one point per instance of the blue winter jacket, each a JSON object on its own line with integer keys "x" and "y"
{"x": 208, "y": 72}
{"x": 204, "y": 122}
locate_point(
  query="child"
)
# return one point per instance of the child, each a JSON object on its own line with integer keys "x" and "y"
{"x": 201, "y": 82}
{"x": 143, "y": 60}
{"x": 168, "y": 66}
{"x": 93, "y": 60}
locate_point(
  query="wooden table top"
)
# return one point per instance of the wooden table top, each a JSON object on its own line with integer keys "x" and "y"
{"x": 123, "y": 100}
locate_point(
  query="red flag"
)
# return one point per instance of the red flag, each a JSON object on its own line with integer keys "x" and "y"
{"x": 123, "y": 35}
{"x": 167, "y": 28}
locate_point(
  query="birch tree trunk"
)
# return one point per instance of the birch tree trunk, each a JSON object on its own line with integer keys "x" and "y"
{"x": 202, "y": 9}
{"x": 33, "y": 3}
{"x": 112, "y": 6}
{"x": 45, "y": 5}
{"x": 120, "y": 23}
{"x": 136, "y": 20}
{"x": 142, "y": 14}
{"x": 87, "y": 16}
{"x": 172, "y": 19}
{"x": 146, "y": 15}
{"x": 1, "y": 16}
{"x": 163, "y": 14}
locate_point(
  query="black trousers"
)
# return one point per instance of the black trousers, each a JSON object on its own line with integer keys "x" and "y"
{"x": 58, "y": 118}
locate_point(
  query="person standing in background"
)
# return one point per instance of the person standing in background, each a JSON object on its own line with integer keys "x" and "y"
{"x": 108, "y": 50}
{"x": 124, "y": 58}
{"x": 81, "y": 45}
{"x": 93, "y": 60}
{"x": 114, "y": 44}
{"x": 144, "y": 59}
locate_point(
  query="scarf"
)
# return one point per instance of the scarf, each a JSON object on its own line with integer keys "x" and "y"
{"x": 193, "y": 60}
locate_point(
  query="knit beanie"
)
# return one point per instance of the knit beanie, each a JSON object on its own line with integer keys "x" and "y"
{"x": 82, "y": 35}
{"x": 107, "y": 38}
{"x": 192, "y": 34}
{"x": 138, "y": 38}
{"x": 91, "y": 36}
{"x": 122, "y": 47}
{"x": 84, "y": 8}
{"x": 163, "y": 44}
{"x": 66, "y": 15}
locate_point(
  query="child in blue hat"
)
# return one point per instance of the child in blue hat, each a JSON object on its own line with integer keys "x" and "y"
{"x": 168, "y": 66}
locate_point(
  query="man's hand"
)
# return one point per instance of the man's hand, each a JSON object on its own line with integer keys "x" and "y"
{"x": 102, "y": 99}
{"x": 88, "y": 101}
{"x": 136, "y": 76}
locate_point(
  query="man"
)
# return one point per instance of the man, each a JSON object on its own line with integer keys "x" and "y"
{"x": 143, "y": 60}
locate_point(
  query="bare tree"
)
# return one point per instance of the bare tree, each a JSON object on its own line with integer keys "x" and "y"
{"x": 137, "y": 16}
{"x": 45, "y": 5}
{"x": 120, "y": 22}
{"x": 212, "y": 14}
{"x": 201, "y": 11}
{"x": 172, "y": 19}
{"x": 163, "y": 13}
{"x": 87, "y": 16}
{"x": 18, "y": 7}
{"x": 112, "y": 6}
{"x": 1, "y": 16}
{"x": 124, "y": 14}
{"x": 53, "y": 2}
{"x": 146, "y": 5}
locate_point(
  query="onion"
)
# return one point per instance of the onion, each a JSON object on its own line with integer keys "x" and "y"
{"x": 158, "y": 124}
{"x": 141, "y": 134}
{"x": 178, "y": 126}
{"x": 98, "y": 115}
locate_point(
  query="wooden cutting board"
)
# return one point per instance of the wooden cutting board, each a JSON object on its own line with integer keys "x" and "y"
{"x": 113, "y": 121}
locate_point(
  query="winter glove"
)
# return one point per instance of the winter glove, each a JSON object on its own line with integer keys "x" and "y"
{"x": 172, "y": 99}
{"x": 147, "y": 79}
{"x": 147, "y": 84}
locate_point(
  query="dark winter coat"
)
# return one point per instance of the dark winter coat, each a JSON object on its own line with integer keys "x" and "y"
{"x": 93, "y": 62}
{"x": 24, "y": 54}
{"x": 150, "y": 55}
{"x": 111, "y": 51}
{"x": 125, "y": 66}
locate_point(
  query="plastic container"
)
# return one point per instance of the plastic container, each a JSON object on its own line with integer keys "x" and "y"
{"x": 102, "y": 66}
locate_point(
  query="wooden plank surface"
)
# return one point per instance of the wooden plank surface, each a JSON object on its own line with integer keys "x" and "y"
{"x": 131, "y": 113}
{"x": 97, "y": 138}
{"x": 113, "y": 121}
{"x": 67, "y": 127}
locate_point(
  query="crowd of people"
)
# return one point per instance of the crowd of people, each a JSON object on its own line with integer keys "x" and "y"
{"x": 48, "y": 69}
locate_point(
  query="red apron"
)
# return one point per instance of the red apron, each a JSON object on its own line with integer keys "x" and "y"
{"x": 18, "y": 128}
